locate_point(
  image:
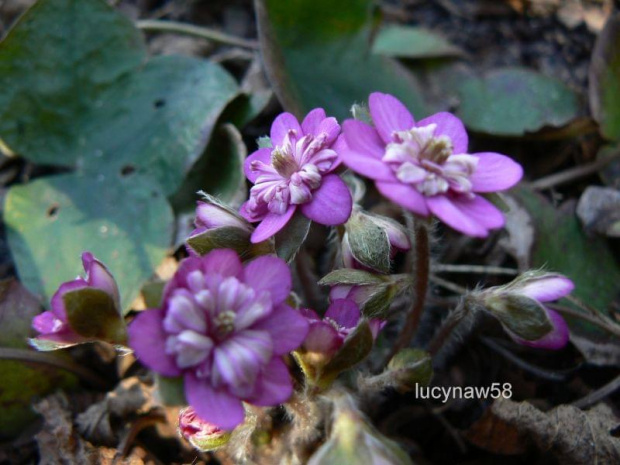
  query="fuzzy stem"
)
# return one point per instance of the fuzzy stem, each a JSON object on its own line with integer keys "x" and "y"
{"x": 420, "y": 277}
{"x": 447, "y": 327}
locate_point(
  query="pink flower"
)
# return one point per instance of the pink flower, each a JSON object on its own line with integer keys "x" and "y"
{"x": 297, "y": 173}
{"x": 224, "y": 327}
{"x": 53, "y": 325}
{"x": 425, "y": 167}
{"x": 327, "y": 335}
{"x": 199, "y": 433}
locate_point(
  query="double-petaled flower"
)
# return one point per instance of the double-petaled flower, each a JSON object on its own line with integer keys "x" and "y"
{"x": 425, "y": 166}
{"x": 296, "y": 173}
{"x": 224, "y": 327}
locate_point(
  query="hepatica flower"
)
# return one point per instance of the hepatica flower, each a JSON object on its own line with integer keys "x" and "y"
{"x": 297, "y": 173}
{"x": 224, "y": 327}
{"x": 53, "y": 325}
{"x": 425, "y": 167}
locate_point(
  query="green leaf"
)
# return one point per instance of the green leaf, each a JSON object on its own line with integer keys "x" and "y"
{"x": 349, "y": 276}
{"x": 22, "y": 383}
{"x": 124, "y": 221}
{"x": 227, "y": 237}
{"x": 292, "y": 236}
{"x": 92, "y": 313}
{"x": 604, "y": 79}
{"x": 514, "y": 101}
{"x": 171, "y": 390}
{"x": 412, "y": 42}
{"x": 522, "y": 315}
{"x": 562, "y": 246}
{"x": 54, "y": 64}
{"x": 317, "y": 55}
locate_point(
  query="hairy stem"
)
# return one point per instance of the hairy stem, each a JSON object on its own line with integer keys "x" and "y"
{"x": 196, "y": 31}
{"x": 446, "y": 329}
{"x": 420, "y": 284}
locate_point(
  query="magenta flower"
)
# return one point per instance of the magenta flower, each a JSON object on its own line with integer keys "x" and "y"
{"x": 327, "y": 335}
{"x": 297, "y": 172}
{"x": 53, "y": 325}
{"x": 224, "y": 327}
{"x": 199, "y": 433}
{"x": 212, "y": 216}
{"x": 425, "y": 167}
{"x": 547, "y": 289}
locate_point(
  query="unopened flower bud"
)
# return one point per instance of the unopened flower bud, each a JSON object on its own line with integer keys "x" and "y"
{"x": 519, "y": 308}
{"x": 371, "y": 241}
{"x": 202, "y": 435}
{"x": 408, "y": 368}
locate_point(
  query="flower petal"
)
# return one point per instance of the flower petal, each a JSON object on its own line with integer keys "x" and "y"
{"x": 271, "y": 274}
{"x": 549, "y": 288}
{"x": 389, "y": 115}
{"x": 215, "y": 406}
{"x": 98, "y": 276}
{"x": 363, "y": 138}
{"x": 273, "y": 386}
{"x": 451, "y": 126}
{"x": 323, "y": 338}
{"x": 331, "y": 128}
{"x": 555, "y": 340}
{"x": 344, "y": 312}
{"x": 288, "y": 329}
{"x": 263, "y": 155}
{"x": 311, "y": 122}
{"x": 405, "y": 196}
{"x": 281, "y": 126}
{"x": 495, "y": 172}
{"x": 331, "y": 203}
{"x": 147, "y": 338}
{"x": 370, "y": 167}
{"x": 443, "y": 207}
{"x": 271, "y": 224}
{"x": 480, "y": 210}
{"x": 223, "y": 261}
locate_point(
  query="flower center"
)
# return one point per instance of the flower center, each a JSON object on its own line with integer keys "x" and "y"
{"x": 295, "y": 171}
{"x": 225, "y": 323}
{"x": 427, "y": 162}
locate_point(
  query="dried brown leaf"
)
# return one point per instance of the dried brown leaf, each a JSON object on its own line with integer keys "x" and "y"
{"x": 599, "y": 210}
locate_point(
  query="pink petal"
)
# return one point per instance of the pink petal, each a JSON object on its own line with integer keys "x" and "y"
{"x": 331, "y": 203}
{"x": 344, "y": 312}
{"x": 217, "y": 407}
{"x": 223, "y": 261}
{"x": 273, "y": 386}
{"x": 448, "y": 125}
{"x": 271, "y": 274}
{"x": 263, "y": 155}
{"x": 449, "y": 213}
{"x": 99, "y": 277}
{"x": 389, "y": 115}
{"x": 312, "y": 120}
{"x": 288, "y": 329}
{"x": 147, "y": 338}
{"x": 281, "y": 126}
{"x": 363, "y": 139}
{"x": 331, "y": 128}
{"x": 323, "y": 338}
{"x": 58, "y": 304}
{"x": 271, "y": 224}
{"x": 555, "y": 340}
{"x": 365, "y": 165}
{"x": 549, "y": 288}
{"x": 480, "y": 210}
{"x": 339, "y": 146}
{"x": 495, "y": 172}
{"x": 405, "y": 196}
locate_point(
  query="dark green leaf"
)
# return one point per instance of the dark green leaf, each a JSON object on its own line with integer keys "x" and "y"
{"x": 124, "y": 221}
{"x": 349, "y": 276}
{"x": 513, "y": 101}
{"x": 369, "y": 242}
{"x": 228, "y": 237}
{"x": 92, "y": 313}
{"x": 356, "y": 348}
{"x": 412, "y": 42}
{"x": 604, "y": 79}
{"x": 291, "y": 237}
{"x": 317, "y": 55}
{"x": 522, "y": 315}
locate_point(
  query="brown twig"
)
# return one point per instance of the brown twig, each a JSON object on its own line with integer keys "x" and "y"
{"x": 598, "y": 395}
{"x": 574, "y": 173}
{"x": 447, "y": 268}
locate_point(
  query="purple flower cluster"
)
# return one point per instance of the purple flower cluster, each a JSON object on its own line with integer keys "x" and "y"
{"x": 224, "y": 327}
{"x": 425, "y": 167}
{"x": 297, "y": 173}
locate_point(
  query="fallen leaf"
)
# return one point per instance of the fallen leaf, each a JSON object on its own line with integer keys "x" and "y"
{"x": 599, "y": 210}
